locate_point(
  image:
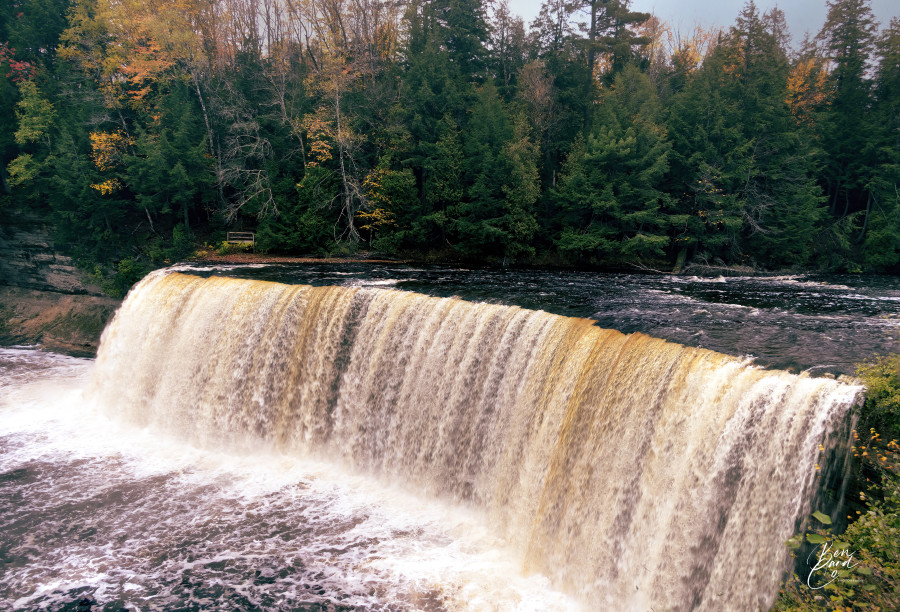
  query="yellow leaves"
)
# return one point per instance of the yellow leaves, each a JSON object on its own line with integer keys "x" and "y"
{"x": 126, "y": 45}
{"x": 107, "y": 148}
{"x": 375, "y": 220}
{"x": 319, "y": 133}
{"x": 689, "y": 50}
{"x": 34, "y": 113}
{"x": 107, "y": 187}
{"x": 335, "y": 75}
{"x": 373, "y": 182}
{"x": 373, "y": 188}
{"x": 22, "y": 169}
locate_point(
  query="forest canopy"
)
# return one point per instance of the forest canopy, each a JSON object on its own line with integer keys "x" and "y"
{"x": 595, "y": 135}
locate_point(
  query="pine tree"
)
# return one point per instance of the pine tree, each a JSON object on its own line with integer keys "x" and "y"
{"x": 707, "y": 164}
{"x": 780, "y": 200}
{"x": 610, "y": 190}
{"x": 847, "y": 38}
{"x": 881, "y": 228}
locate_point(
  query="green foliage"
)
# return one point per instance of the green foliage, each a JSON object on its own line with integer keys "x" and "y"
{"x": 857, "y": 570}
{"x": 127, "y": 272}
{"x": 881, "y": 410}
{"x": 35, "y": 115}
{"x": 494, "y": 214}
{"x": 609, "y": 191}
{"x": 302, "y": 226}
{"x": 393, "y": 199}
{"x": 22, "y": 169}
{"x": 707, "y": 163}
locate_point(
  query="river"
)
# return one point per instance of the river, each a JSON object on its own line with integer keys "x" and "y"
{"x": 139, "y": 510}
{"x": 826, "y": 323}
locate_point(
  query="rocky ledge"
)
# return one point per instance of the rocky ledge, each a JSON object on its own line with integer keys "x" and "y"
{"x": 44, "y": 299}
{"x": 58, "y": 322}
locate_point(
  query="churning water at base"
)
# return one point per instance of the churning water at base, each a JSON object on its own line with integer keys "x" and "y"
{"x": 142, "y": 521}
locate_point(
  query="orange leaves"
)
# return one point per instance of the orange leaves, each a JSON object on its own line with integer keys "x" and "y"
{"x": 689, "y": 50}
{"x": 807, "y": 90}
{"x": 147, "y": 62}
{"x": 107, "y": 148}
{"x": 127, "y": 45}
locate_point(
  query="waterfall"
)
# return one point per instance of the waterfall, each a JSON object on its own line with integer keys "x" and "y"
{"x": 635, "y": 473}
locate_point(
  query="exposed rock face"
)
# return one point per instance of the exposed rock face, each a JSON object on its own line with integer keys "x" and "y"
{"x": 44, "y": 298}
{"x": 59, "y": 322}
{"x": 29, "y": 259}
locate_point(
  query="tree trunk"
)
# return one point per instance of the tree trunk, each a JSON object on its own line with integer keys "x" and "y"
{"x": 3, "y": 182}
{"x": 591, "y": 58}
{"x": 865, "y": 227}
{"x": 348, "y": 196}
{"x": 209, "y": 136}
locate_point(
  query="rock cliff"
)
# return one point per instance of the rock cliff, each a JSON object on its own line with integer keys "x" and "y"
{"x": 44, "y": 299}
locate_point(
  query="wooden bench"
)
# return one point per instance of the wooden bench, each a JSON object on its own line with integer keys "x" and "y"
{"x": 243, "y": 238}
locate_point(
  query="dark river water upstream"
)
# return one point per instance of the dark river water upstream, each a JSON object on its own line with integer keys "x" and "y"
{"x": 822, "y": 323}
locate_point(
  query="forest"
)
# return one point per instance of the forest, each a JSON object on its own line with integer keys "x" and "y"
{"x": 450, "y": 130}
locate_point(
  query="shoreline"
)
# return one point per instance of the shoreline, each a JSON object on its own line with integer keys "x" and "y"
{"x": 202, "y": 257}
{"x": 255, "y": 258}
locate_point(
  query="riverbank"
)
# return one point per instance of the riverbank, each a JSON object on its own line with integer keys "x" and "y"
{"x": 258, "y": 258}
{"x": 692, "y": 269}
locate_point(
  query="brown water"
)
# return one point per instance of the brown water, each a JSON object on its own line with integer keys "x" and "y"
{"x": 628, "y": 472}
{"x": 799, "y": 322}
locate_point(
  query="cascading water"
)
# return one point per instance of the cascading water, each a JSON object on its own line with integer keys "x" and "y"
{"x": 635, "y": 473}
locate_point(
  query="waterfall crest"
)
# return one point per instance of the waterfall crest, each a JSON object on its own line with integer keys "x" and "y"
{"x": 634, "y": 472}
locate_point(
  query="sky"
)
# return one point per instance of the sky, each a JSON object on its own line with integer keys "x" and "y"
{"x": 802, "y": 15}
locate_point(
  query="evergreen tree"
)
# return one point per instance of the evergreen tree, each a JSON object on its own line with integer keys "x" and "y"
{"x": 881, "y": 227}
{"x": 475, "y": 220}
{"x": 610, "y": 190}
{"x": 848, "y": 39}
{"x": 780, "y": 199}
{"x": 170, "y": 172}
{"x": 608, "y": 36}
{"x": 139, "y": 124}
{"x": 707, "y": 164}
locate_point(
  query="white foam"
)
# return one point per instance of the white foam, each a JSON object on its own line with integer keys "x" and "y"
{"x": 391, "y": 546}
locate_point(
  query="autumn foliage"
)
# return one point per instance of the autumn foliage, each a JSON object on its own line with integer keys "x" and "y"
{"x": 596, "y": 135}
